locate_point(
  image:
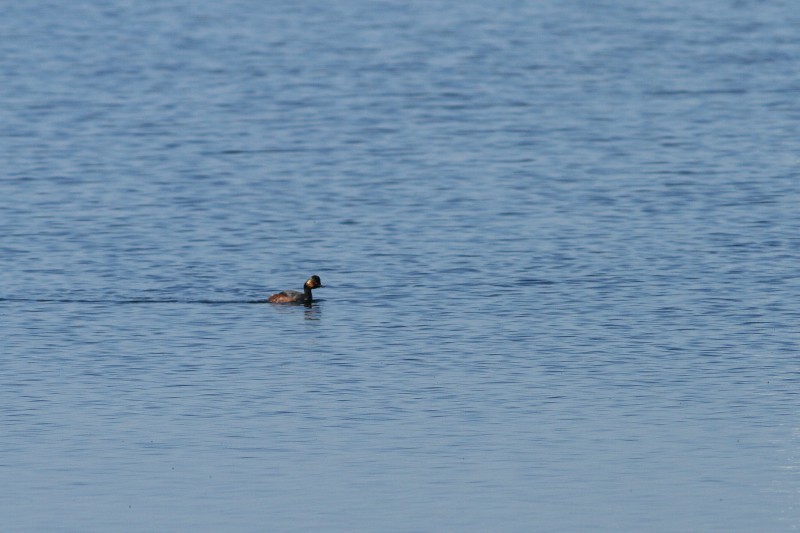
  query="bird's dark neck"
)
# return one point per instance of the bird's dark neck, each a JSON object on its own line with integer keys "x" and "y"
{"x": 307, "y": 292}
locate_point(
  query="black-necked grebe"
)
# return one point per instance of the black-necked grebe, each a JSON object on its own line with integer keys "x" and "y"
{"x": 296, "y": 297}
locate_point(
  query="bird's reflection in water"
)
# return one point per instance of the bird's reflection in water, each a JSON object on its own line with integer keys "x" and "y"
{"x": 313, "y": 311}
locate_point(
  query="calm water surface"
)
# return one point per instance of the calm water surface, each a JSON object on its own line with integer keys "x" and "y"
{"x": 561, "y": 242}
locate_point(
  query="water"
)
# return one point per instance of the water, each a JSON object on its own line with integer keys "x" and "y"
{"x": 560, "y": 241}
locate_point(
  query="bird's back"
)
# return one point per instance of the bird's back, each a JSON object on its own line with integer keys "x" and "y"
{"x": 286, "y": 297}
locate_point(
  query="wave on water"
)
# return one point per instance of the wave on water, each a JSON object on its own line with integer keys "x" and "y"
{"x": 133, "y": 301}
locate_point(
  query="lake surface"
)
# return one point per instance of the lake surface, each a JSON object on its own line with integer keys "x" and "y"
{"x": 561, "y": 244}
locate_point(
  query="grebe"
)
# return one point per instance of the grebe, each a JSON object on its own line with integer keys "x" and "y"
{"x": 295, "y": 297}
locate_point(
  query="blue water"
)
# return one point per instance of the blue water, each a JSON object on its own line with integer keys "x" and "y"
{"x": 561, "y": 242}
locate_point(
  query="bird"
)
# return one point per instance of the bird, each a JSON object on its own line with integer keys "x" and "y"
{"x": 296, "y": 297}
